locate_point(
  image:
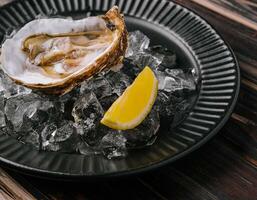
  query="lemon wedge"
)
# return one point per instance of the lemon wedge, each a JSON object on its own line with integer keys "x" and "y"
{"x": 132, "y": 107}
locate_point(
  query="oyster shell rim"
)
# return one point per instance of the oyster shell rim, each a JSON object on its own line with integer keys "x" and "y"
{"x": 114, "y": 56}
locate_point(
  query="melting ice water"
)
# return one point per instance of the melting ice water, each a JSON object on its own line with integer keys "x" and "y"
{"x": 70, "y": 123}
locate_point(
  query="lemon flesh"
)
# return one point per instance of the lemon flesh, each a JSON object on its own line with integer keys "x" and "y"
{"x": 132, "y": 107}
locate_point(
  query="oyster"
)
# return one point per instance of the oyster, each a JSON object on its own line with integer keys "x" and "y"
{"x": 54, "y": 55}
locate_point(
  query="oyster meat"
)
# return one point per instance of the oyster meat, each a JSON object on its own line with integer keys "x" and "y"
{"x": 55, "y": 55}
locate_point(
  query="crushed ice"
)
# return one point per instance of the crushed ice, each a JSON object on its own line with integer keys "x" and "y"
{"x": 70, "y": 123}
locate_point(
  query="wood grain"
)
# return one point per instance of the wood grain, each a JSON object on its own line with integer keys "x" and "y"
{"x": 229, "y": 9}
{"x": 10, "y": 189}
{"x": 3, "y": 2}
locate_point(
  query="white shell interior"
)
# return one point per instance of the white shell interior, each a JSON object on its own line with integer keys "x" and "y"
{"x": 14, "y": 59}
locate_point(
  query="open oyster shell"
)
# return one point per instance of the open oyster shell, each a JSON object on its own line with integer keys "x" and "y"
{"x": 54, "y": 55}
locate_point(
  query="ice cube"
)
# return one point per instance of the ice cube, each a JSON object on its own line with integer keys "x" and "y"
{"x": 130, "y": 69}
{"x": 139, "y": 52}
{"x": 26, "y": 107}
{"x": 85, "y": 106}
{"x": 170, "y": 84}
{"x": 147, "y": 58}
{"x": 87, "y": 112}
{"x": 137, "y": 42}
{"x": 180, "y": 112}
{"x": 86, "y": 86}
{"x": 173, "y": 107}
{"x": 113, "y": 145}
{"x": 2, "y": 101}
{"x": 9, "y": 88}
{"x": 2, "y": 119}
{"x": 107, "y": 101}
{"x": 32, "y": 138}
{"x": 176, "y": 93}
{"x": 174, "y": 79}
{"x": 99, "y": 85}
{"x": 195, "y": 75}
{"x": 175, "y": 73}
{"x": 145, "y": 133}
{"x": 165, "y": 105}
{"x": 59, "y": 137}
{"x": 63, "y": 104}
{"x": 184, "y": 76}
{"x": 119, "y": 81}
{"x": 48, "y": 134}
{"x": 87, "y": 150}
{"x": 2, "y": 115}
{"x": 169, "y": 57}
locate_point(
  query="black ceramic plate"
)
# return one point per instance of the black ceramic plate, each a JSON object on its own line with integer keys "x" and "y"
{"x": 168, "y": 24}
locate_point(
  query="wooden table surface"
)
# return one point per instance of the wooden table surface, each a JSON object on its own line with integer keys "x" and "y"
{"x": 225, "y": 168}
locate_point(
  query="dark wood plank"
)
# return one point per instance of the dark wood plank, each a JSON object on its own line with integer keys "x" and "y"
{"x": 219, "y": 170}
{"x": 125, "y": 188}
{"x": 241, "y": 8}
{"x": 11, "y": 189}
{"x": 222, "y": 171}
